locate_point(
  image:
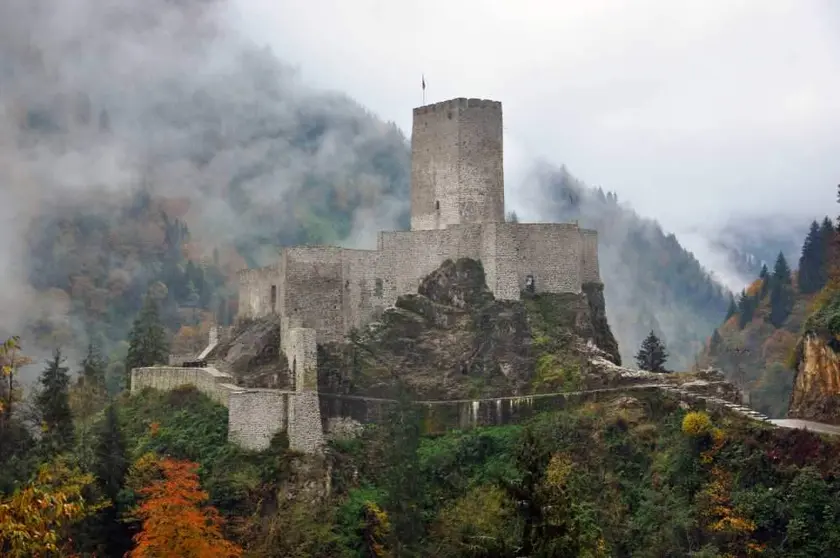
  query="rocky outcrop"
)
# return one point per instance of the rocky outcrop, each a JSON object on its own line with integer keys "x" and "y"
{"x": 454, "y": 340}
{"x": 251, "y": 354}
{"x": 816, "y": 389}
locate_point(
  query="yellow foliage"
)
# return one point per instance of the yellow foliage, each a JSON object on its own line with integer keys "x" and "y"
{"x": 696, "y": 424}
{"x": 483, "y": 522}
{"x": 34, "y": 520}
{"x": 377, "y": 528}
{"x": 721, "y": 517}
{"x": 558, "y": 470}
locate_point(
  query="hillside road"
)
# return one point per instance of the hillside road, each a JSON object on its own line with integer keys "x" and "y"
{"x": 820, "y": 427}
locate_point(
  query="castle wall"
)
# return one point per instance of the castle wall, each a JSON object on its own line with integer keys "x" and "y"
{"x": 255, "y": 416}
{"x": 300, "y": 348}
{"x": 365, "y": 281}
{"x": 590, "y": 270}
{"x": 457, "y": 174}
{"x": 216, "y": 385}
{"x": 312, "y": 290}
{"x": 414, "y": 254}
{"x": 550, "y": 252}
{"x": 255, "y": 291}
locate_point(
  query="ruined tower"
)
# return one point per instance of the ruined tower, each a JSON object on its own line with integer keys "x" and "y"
{"x": 457, "y": 172}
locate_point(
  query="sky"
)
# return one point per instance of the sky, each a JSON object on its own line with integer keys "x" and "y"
{"x": 692, "y": 111}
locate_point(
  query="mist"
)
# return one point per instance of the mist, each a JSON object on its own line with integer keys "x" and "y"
{"x": 100, "y": 100}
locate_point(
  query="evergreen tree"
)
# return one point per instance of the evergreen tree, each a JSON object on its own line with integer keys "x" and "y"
{"x": 93, "y": 371}
{"x": 53, "y": 405}
{"x": 812, "y": 261}
{"x": 828, "y": 237}
{"x": 147, "y": 340}
{"x": 764, "y": 275}
{"x": 746, "y": 309}
{"x": 652, "y": 355}
{"x": 733, "y": 308}
{"x": 781, "y": 271}
{"x": 111, "y": 459}
{"x": 781, "y": 293}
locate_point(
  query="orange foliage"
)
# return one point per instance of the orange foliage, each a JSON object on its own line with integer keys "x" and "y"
{"x": 175, "y": 520}
{"x": 754, "y": 287}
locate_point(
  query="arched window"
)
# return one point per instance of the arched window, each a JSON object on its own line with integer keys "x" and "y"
{"x": 530, "y": 286}
{"x": 437, "y": 205}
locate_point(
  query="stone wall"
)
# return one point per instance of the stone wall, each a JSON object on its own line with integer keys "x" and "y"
{"x": 411, "y": 255}
{"x": 590, "y": 269}
{"x": 457, "y": 174}
{"x": 300, "y": 348}
{"x": 255, "y": 416}
{"x": 551, "y": 253}
{"x": 255, "y": 298}
{"x": 214, "y": 384}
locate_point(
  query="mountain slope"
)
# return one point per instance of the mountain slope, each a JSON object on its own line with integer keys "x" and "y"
{"x": 755, "y": 344}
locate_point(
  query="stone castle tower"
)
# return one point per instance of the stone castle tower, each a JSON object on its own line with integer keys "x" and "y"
{"x": 457, "y": 174}
{"x": 457, "y": 210}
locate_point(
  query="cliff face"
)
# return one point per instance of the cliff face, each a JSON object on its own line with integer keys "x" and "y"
{"x": 454, "y": 340}
{"x": 816, "y": 389}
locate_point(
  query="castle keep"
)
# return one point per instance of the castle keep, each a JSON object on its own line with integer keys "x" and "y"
{"x": 457, "y": 211}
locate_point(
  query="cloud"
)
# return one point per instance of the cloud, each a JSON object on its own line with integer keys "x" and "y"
{"x": 692, "y": 111}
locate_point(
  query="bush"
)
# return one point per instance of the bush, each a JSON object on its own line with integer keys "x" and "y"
{"x": 696, "y": 424}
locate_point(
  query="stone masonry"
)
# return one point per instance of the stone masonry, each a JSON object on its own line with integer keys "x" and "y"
{"x": 457, "y": 211}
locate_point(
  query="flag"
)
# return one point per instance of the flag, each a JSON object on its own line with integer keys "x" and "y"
{"x": 423, "y": 82}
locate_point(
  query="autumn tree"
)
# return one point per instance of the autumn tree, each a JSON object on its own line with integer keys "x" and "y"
{"x": 147, "y": 340}
{"x": 176, "y": 519}
{"x": 35, "y": 520}
{"x": 652, "y": 354}
{"x": 53, "y": 405}
{"x": 17, "y": 459}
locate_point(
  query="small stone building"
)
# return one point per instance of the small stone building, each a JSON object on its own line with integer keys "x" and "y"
{"x": 457, "y": 210}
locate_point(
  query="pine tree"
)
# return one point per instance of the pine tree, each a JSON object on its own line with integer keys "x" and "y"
{"x": 811, "y": 261}
{"x": 781, "y": 271}
{"x": 110, "y": 458}
{"x": 93, "y": 371}
{"x": 147, "y": 341}
{"x": 764, "y": 275}
{"x": 781, "y": 293}
{"x": 652, "y": 354}
{"x": 828, "y": 238}
{"x": 111, "y": 535}
{"x": 746, "y": 309}
{"x": 53, "y": 405}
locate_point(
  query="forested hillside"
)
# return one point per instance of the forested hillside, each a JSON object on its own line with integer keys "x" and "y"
{"x": 755, "y": 344}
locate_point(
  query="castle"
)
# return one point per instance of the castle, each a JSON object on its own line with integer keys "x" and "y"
{"x": 457, "y": 210}
{"x": 321, "y": 293}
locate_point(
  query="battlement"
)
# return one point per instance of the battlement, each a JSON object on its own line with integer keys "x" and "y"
{"x": 459, "y": 103}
